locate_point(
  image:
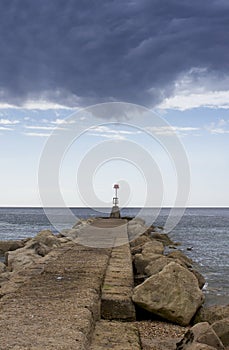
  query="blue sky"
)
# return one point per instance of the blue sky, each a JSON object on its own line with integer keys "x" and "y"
{"x": 59, "y": 57}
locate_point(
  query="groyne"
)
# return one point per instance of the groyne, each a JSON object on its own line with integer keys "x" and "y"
{"x": 57, "y": 293}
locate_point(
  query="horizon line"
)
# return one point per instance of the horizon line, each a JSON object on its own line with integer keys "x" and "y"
{"x": 94, "y": 208}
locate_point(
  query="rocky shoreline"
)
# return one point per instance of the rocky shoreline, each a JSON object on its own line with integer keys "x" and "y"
{"x": 167, "y": 293}
{"x": 168, "y": 286}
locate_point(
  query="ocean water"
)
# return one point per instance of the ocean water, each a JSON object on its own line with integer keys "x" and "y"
{"x": 204, "y": 230}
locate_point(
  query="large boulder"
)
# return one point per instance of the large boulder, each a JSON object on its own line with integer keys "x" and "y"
{"x": 221, "y": 328}
{"x": 157, "y": 265}
{"x": 211, "y": 314}
{"x": 200, "y": 278}
{"x": 173, "y": 294}
{"x": 150, "y": 251}
{"x": 201, "y": 333}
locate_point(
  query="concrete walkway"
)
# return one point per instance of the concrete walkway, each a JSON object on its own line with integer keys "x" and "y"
{"x": 61, "y": 307}
{"x": 104, "y": 233}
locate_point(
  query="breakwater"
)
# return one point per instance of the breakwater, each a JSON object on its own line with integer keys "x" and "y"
{"x": 57, "y": 293}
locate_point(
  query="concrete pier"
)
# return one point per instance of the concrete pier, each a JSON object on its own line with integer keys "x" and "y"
{"x": 63, "y": 303}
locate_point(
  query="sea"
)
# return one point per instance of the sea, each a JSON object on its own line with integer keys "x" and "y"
{"x": 202, "y": 232}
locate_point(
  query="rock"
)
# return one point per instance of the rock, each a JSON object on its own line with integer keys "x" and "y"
{"x": 198, "y": 346}
{"x": 150, "y": 230}
{"x": 162, "y": 237}
{"x": 40, "y": 248}
{"x": 173, "y": 294}
{"x": 71, "y": 233}
{"x": 6, "y": 246}
{"x": 139, "y": 241}
{"x": 2, "y": 267}
{"x": 35, "y": 248}
{"x": 211, "y": 314}
{"x": 201, "y": 333}
{"x": 83, "y": 222}
{"x": 153, "y": 247}
{"x": 200, "y": 278}
{"x": 204, "y": 334}
{"x": 77, "y": 224}
{"x": 141, "y": 261}
{"x": 179, "y": 255}
{"x": 221, "y": 328}
{"x": 157, "y": 265}
{"x": 46, "y": 238}
{"x": 20, "y": 258}
{"x": 136, "y": 228}
{"x": 136, "y": 250}
{"x": 150, "y": 251}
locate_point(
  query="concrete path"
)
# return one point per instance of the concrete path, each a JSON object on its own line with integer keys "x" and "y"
{"x": 60, "y": 308}
{"x": 104, "y": 233}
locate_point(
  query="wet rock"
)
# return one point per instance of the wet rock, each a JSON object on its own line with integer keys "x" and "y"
{"x": 173, "y": 294}
{"x": 201, "y": 333}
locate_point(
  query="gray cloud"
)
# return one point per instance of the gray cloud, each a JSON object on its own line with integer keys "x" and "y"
{"x": 83, "y": 52}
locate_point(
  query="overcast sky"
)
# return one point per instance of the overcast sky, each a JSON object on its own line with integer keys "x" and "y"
{"x": 171, "y": 56}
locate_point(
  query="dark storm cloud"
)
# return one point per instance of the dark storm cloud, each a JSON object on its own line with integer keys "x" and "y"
{"x": 81, "y": 51}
